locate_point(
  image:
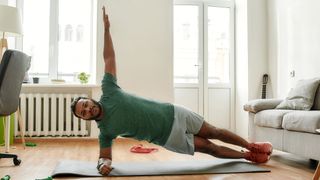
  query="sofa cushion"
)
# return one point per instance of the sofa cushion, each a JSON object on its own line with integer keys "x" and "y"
{"x": 303, "y": 121}
{"x": 301, "y": 97}
{"x": 270, "y": 118}
{"x": 257, "y": 105}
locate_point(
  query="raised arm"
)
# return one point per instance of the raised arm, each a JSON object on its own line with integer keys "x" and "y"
{"x": 108, "y": 51}
{"x": 105, "y": 160}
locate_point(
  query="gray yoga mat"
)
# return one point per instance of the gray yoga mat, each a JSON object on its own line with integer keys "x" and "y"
{"x": 217, "y": 166}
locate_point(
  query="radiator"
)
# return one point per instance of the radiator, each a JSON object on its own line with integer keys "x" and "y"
{"x": 49, "y": 115}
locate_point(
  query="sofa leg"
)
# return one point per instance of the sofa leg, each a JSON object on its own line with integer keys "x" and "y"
{"x": 316, "y": 174}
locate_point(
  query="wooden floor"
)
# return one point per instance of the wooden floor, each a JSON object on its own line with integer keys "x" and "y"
{"x": 38, "y": 162}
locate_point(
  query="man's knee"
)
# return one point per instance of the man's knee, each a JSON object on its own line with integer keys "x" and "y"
{"x": 200, "y": 144}
{"x": 205, "y": 146}
{"x": 209, "y": 131}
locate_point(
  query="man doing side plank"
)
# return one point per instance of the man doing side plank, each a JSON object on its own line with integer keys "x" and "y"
{"x": 176, "y": 128}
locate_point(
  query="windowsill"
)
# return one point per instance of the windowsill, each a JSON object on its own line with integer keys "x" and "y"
{"x": 62, "y": 85}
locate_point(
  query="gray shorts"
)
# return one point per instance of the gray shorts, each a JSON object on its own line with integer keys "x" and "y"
{"x": 185, "y": 125}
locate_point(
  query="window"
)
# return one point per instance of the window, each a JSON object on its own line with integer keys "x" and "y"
{"x": 68, "y": 33}
{"x": 80, "y": 33}
{"x": 58, "y": 34}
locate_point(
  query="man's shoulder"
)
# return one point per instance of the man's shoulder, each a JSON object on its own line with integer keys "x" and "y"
{"x": 109, "y": 77}
{"x": 109, "y": 84}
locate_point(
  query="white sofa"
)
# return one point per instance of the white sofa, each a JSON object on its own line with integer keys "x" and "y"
{"x": 292, "y": 131}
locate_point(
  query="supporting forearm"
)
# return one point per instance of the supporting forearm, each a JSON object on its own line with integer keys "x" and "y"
{"x": 105, "y": 153}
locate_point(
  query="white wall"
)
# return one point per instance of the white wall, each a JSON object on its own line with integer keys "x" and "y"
{"x": 272, "y": 48}
{"x": 241, "y": 66}
{"x": 281, "y": 36}
{"x": 296, "y": 41}
{"x": 257, "y": 46}
{"x": 251, "y": 56}
{"x": 3, "y": 2}
{"x": 142, "y": 35}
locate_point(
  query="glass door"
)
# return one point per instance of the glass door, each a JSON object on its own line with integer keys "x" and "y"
{"x": 204, "y": 59}
{"x": 219, "y": 63}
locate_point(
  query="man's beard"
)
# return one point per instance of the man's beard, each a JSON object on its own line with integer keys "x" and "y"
{"x": 100, "y": 110}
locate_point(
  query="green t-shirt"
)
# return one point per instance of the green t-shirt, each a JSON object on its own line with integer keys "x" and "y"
{"x": 128, "y": 115}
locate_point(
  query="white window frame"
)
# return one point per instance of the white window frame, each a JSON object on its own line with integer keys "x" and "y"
{"x": 53, "y": 41}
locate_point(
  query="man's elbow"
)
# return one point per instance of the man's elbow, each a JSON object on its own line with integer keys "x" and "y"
{"x": 110, "y": 59}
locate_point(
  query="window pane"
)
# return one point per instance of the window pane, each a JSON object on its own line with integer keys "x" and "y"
{"x": 11, "y": 42}
{"x": 218, "y": 44}
{"x": 74, "y": 36}
{"x": 186, "y": 43}
{"x": 36, "y": 34}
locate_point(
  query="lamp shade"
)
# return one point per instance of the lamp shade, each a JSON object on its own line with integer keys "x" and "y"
{"x": 10, "y": 21}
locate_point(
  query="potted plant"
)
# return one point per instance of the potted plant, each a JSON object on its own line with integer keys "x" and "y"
{"x": 83, "y": 77}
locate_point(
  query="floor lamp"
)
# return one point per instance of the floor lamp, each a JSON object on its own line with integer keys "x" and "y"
{"x": 10, "y": 25}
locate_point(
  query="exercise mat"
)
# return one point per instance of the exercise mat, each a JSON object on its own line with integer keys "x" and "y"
{"x": 153, "y": 168}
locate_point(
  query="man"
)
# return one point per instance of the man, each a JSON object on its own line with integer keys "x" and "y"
{"x": 173, "y": 127}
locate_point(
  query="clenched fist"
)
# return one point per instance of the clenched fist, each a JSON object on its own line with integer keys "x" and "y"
{"x": 104, "y": 166}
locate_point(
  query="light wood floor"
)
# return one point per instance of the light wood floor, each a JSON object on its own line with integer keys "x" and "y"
{"x": 38, "y": 162}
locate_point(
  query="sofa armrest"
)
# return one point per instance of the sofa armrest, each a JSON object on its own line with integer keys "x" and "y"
{"x": 257, "y": 105}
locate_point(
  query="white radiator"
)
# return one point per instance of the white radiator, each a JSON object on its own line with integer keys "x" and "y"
{"x": 50, "y": 115}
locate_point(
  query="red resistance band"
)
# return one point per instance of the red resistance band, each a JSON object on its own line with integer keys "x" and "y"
{"x": 140, "y": 149}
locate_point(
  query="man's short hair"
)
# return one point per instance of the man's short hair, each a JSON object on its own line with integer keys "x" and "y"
{"x": 74, "y": 103}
